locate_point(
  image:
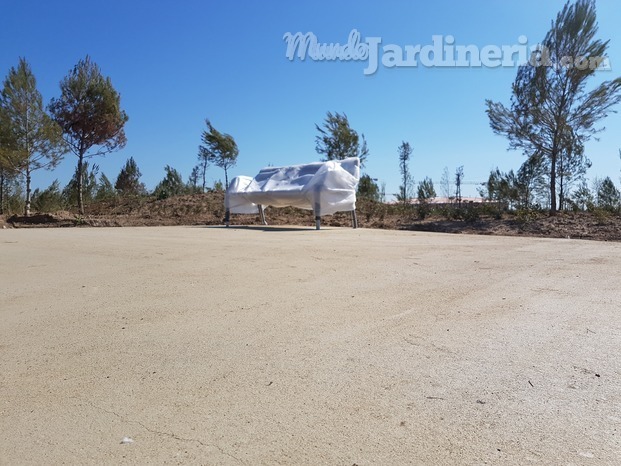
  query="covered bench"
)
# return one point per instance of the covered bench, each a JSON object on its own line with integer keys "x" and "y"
{"x": 323, "y": 187}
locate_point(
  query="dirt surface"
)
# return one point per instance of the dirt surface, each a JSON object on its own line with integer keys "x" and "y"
{"x": 292, "y": 346}
{"x": 208, "y": 209}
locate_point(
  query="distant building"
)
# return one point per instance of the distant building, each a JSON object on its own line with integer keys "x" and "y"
{"x": 446, "y": 200}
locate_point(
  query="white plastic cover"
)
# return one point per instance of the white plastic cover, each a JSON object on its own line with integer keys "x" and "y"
{"x": 324, "y": 187}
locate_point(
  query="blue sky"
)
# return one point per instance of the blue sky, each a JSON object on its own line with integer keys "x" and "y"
{"x": 177, "y": 63}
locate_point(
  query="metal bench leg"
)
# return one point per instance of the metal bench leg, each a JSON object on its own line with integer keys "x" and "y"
{"x": 317, "y": 209}
{"x": 262, "y": 215}
{"x": 354, "y": 219}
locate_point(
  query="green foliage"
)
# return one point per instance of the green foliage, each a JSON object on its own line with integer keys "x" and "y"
{"x": 218, "y": 186}
{"x": 337, "y": 140}
{"x": 608, "y": 196}
{"x": 171, "y": 185}
{"x": 219, "y": 149}
{"x": 128, "y": 180}
{"x": 90, "y": 115}
{"x": 552, "y": 115}
{"x": 368, "y": 189}
{"x": 105, "y": 189}
{"x": 382, "y": 192}
{"x": 496, "y": 189}
{"x": 602, "y": 216}
{"x": 571, "y": 166}
{"x": 11, "y": 192}
{"x": 449, "y": 212}
{"x": 193, "y": 180}
{"x": 372, "y": 209}
{"x": 471, "y": 213}
{"x": 583, "y": 198}
{"x": 402, "y": 200}
{"x": 425, "y": 190}
{"x": 405, "y": 151}
{"x": 490, "y": 210}
{"x": 525, "y": 216}
{"x": 89, "y": 185}
{"x": 199, "y": 172}
{"x": 49, "y": 200}
{"x": 512, "y": 191}
{"x": 29, "y": 139}
{"x": 6, "y": 176}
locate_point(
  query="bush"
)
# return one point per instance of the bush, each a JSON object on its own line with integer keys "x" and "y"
{"x": 526, "y": 216}
{"x": 601, "y": 215}
{"x": 423, "y": 210}
{"x": 171, "y": 185}
{"x": 471, "y": 213}
{"x": 49, "y": 200}
{"x": 448, "y": 212}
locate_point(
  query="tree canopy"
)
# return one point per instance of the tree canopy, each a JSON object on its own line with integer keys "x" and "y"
{"x": 608, "y": 196}
{"x": 90, "y": 115}
{"x": 337, "y": 140}
{"x": 426, "y": 190}
{"x": 368, "y": 189}
{"x": 552, "y": 114}
{"x": 218, "y": 148}
{"x": 29, "y": 139}
{"x": 128, "y": 181}
{"x": 171, "y": 185}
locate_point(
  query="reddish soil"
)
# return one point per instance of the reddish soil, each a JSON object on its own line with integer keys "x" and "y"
{"x": 208, "y": 209}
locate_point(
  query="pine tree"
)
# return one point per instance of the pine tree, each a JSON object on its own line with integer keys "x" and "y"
{"x": 405, "y": 151}
{"x": 608, "y": 196}
{"x": 90, "y": 115}
{"x": 29, "y": 138}
{"x": 219, "y": 149}
{"x": 552, "y": 114}
{"x": 105, "y": 189}
{"x": 89, "y": 185}
{"x": 171, "y": 185}
{"x": 128, "y": 181}
{"x": 368, "y": 189}
{"x": 337, "y": 140}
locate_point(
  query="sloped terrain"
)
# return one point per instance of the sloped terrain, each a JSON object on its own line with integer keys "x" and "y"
{"x": 208, "y": 209}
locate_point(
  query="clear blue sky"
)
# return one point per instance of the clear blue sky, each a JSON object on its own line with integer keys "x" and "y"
{"x": 176, "y": 63}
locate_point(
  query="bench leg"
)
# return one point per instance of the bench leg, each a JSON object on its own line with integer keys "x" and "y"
{"x": 262, "y": 215}
{"x": 317, "y": 210}
{"x": 354, "y": 219}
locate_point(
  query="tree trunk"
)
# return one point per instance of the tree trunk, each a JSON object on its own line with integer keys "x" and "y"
{"x": 80, "y": 183}
{"x": 561, "y": 180}
{"x": 553, "y": 183}
{"x": 28, "y": 191}
{"x": 226, "y": 179}
{"x": 2, "y": 192}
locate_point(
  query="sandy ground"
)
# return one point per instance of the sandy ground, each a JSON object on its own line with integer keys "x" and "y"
{"x": 291, "y": 346}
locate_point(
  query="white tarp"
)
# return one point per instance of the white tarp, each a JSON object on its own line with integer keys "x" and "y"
{"x": 324, "y": 187}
